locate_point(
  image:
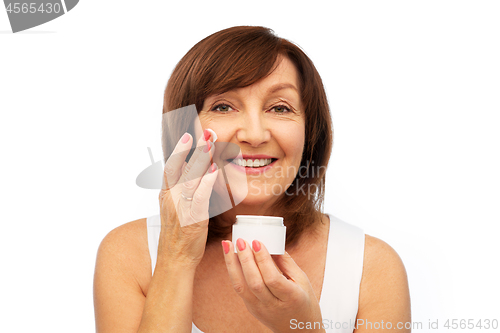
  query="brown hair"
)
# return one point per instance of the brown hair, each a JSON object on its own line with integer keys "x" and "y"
{"x": 238, "y": 57}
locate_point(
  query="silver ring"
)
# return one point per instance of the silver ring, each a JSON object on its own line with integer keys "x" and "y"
{"x": 184, "y": 197}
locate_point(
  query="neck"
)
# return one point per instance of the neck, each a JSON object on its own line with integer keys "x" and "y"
{"x": 229, "y": 217}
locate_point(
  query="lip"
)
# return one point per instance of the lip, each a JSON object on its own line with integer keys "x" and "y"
{"x": 254, "y": 171}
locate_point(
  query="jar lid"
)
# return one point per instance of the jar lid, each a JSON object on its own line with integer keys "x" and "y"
{"x": 258, "y": 219}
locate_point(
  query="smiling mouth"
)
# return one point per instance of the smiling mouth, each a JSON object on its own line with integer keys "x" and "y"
{"x": 253, "y": 163}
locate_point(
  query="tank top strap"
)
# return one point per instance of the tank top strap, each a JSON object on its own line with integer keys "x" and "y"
{"x": 343, "y": 271}
{"x": 154, "y": 228}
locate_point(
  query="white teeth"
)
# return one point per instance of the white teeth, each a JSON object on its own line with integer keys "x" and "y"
{"x": 252, "y": 163}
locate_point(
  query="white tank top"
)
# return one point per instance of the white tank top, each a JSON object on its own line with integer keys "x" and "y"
{"x": 343, "y": 270}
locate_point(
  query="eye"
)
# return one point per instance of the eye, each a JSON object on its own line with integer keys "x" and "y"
{"x": 222, "y": 108}
{"x": 280, "y": 109}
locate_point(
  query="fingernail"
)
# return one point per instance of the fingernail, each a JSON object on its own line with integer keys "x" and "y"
{"x": 256, "y": 245}
{"x": 206, "y": 135}
{"x": 213, "y": 168}
{"x": 225, "y": 246}
{"x": 185, "y": 138}
{"x": 241, "y": 244}
{"x": 207, "y": 147}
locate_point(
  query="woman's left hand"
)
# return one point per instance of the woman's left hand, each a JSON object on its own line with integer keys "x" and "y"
{"x": 274, "y": 298}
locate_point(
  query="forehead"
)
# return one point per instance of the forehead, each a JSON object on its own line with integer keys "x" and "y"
{"x": 283, "y": 79}
{"x": 285, "y": 75}
{"x": 285, "y": 71}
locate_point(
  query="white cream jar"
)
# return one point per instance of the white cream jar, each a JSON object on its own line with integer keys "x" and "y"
{"x": 268, "y": 230}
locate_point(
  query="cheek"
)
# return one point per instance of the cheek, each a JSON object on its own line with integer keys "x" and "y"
{"x": 292, "y": 139}
{"x": 220, "y": 128}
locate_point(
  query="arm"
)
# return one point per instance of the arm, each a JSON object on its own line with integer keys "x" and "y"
{"x": 169, "y": 303}
{"x": 384, "y": 294}
{"x": 118, "y": 297}
{"x": 119, "y": 302}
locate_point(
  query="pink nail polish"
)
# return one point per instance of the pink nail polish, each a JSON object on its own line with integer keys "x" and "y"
{"x": 241, "y": 244}
{"x": 213, "y": 168}
{"x": 256, "y": 245}
{"x": 206, "y": 135}
{"x": 185, "y": 138}
{"x": 225, "y": 246}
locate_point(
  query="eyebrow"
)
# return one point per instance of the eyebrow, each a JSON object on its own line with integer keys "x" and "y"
{"x": 271, "y": 90}
{"x": 281, "y": 86}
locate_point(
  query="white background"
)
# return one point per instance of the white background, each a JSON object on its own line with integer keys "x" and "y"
{"x": 414, "y": 92}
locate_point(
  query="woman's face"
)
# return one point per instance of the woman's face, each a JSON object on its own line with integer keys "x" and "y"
{"x": 266, "y": 121}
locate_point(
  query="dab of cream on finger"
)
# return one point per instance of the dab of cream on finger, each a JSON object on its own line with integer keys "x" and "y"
{"x": 213, "y": 135}
{"x": 212, "y": 138}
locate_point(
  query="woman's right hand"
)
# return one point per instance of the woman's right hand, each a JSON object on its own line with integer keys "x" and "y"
{"x": 184, "y": 201}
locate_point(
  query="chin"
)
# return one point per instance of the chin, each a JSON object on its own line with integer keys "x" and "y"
{"x": 252, "y": 191}
{"x": 253, "y": 207}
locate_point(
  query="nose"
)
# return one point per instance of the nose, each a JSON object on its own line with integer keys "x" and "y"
{"x": 253, "y": 129}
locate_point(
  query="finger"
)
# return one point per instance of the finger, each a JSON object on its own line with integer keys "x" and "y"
{"x": 290, "y": 269}
{"x": 201, "y": 198}
{"x": 252, "y": 273}
{"x": 184, "y": 166}
{"x": 201, "y": 144}
{"x": 236, "y": 273}
{"x": 198, "y": 206}
{"x": 193, "y": 177}
{"x": 278, "y": 284}
{"x": 173, "y": 167}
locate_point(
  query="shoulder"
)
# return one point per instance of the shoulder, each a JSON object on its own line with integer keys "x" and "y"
{"x": 379, "y": 254}
{"x": 126, "y": 237}
{"x": 384, "y": 283}
{"x": 124, "y": 250}
{"x": 381, "y": 264}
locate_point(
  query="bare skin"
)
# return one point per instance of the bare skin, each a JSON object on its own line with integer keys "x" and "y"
{"x": 245, "y": 292}
{"x": 124, "y": 264}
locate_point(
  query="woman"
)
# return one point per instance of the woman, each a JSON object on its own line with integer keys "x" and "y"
{"x": 263, "y": 95}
